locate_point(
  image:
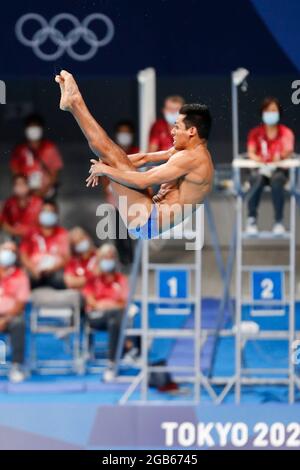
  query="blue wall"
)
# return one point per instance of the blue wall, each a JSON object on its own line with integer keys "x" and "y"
{"x": 176, "y": 37}
{"x": 65, "y": 423}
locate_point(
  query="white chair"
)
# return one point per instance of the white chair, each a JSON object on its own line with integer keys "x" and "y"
{"x": 56, "y": 312}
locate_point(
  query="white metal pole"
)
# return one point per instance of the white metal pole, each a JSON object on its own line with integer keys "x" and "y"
{"x": 238, "y": 300}
{"x": 197, "y": 307}
{"x": 145, "y": 323}
{"x": 234, "y": 110}
{"x": 238, "y": 78}
{"x": 292, "y": 285}
{"x": 147, "y": 105}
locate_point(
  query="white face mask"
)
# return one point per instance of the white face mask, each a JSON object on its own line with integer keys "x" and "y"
{"x": 48, "y": 219}
{"x": 107, "y": 265}
{"x": 171, "y": 118}
{"x": 83, "y": 246}
{"x": 33, "y": 133}
{"x": 270, "y": 118}
{"x": 7, "y": 258}
{"x": 124, "y": 138}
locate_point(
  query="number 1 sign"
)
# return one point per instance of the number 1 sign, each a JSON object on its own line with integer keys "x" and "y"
{"x": 172, "y": 284}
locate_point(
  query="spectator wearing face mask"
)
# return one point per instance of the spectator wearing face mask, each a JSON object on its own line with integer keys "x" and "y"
{"x": 37, "y": 158}
{"x": 80, "y": 268}
{"x": 269, "y": 143}
{"x": 106, "y": 297}
{"x": 20, "y": 212}
{"x": 14, "y": 294}
{"x": 160, "y": 134}
{"x": 125, "y": 136}
{"x": 45, "y": 252}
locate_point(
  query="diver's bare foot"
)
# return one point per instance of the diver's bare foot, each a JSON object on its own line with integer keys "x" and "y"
{"x": 70, "y": 93}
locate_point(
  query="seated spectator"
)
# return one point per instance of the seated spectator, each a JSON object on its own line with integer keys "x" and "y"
{"x": 14, "y": 293}
{"x": 45, "y": 251}
{"x": 160, "y": 134}
{"x": 106, "y": 296}
{"x": 20, "y": 212}
{"x": 80, "y": 268}
{"x": 37, "y": 158}
{"x": 125, "y": 136}
{"x": 268, "y": 143}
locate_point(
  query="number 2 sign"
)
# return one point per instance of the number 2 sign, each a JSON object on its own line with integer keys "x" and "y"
{"x": 267, "y": 285}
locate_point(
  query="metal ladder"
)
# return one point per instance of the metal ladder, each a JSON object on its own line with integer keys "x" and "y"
{"x": 147, "y": 333}
{"x": 264, "y": 375}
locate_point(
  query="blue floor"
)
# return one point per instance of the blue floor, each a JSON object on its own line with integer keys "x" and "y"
{"x": 90, "y": 388}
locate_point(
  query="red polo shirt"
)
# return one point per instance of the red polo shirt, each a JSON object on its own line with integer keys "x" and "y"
{"x": 102, "y": 287}
{"x": 79, "y": 266}
{"x": 37, "y": 246}
{"x": 22, "y": 218}
{"x": 14, "y": 287}
{"x": 160, "y": 135}
{"x": 271, "y": 149}
{"x": 43, "y": 161}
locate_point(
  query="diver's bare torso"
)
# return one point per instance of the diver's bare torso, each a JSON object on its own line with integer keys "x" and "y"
{"x": 179, "y": 197}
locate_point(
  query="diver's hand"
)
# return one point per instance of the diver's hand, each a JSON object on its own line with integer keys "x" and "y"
{"x": 95, "y": 171}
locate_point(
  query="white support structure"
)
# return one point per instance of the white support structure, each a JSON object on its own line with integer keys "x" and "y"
{"x": 263, "y": 376}
{"x": 238, "y": 79}
{"x": 189, "y": 236}
{"x": 194, "y": 297}
{"x": 147, "y": 104}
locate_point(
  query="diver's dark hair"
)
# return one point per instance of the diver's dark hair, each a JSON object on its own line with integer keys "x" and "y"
{"x": 197, "y": 115}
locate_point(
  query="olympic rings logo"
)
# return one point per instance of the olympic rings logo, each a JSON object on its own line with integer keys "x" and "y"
{"x": 64, "y": 42}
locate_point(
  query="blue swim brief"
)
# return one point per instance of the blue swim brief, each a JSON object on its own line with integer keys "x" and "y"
{"x": 149, "y": 230}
